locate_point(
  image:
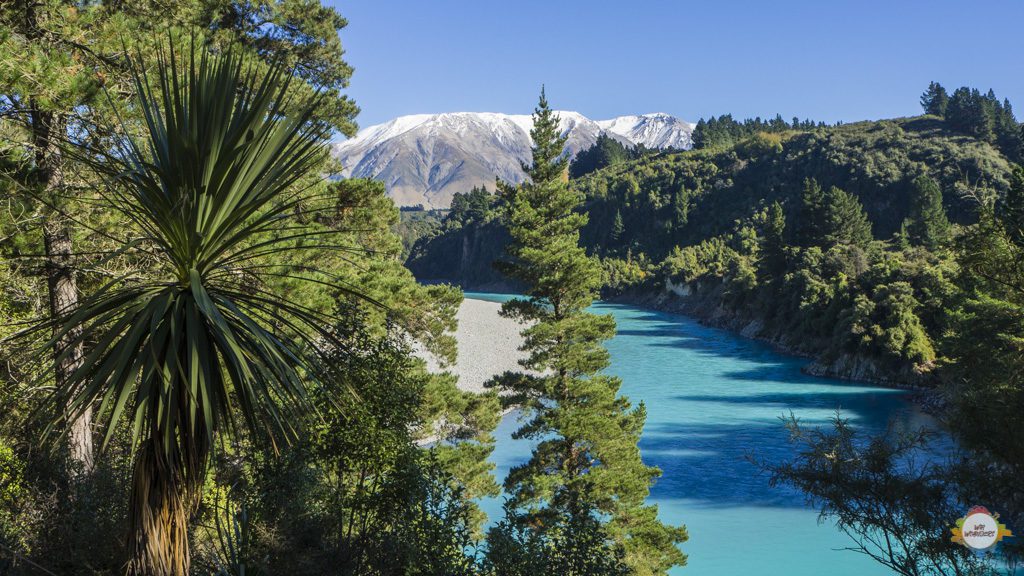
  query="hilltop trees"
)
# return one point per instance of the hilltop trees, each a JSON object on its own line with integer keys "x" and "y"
{"x": 971, "y": 113}
{"x": 586, "y": 461}
{"x": 935, "y": 99}
{"x": 725, "y": 130}
{"x": 606, "y": 151}
{"x": 983, "y": 116}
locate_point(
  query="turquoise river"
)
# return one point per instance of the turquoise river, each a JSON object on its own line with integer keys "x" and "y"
{"x": 713, "y": 399}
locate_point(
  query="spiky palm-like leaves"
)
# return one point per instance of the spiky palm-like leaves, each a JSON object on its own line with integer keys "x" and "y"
{"x": 212, "y": 186}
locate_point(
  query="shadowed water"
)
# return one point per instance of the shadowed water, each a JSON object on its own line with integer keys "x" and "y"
{"x": 713, "y": 399}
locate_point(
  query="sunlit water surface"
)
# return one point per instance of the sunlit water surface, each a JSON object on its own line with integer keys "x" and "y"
{"x": 713, "y": 400}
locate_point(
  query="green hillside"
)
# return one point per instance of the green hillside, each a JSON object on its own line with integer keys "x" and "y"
{"x": 846, "y": 277}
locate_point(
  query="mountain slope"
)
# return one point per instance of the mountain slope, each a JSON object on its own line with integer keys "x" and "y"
{"x": 426, "y": 158}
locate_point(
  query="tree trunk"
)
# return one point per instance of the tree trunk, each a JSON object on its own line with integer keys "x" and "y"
{"x": 63, "y": 289}
{"x": 60, "y": 276}
{"x": 158, "y": 516}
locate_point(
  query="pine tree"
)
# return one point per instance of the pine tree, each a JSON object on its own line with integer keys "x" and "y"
{"x": 680, "y": 206}
{"x": 845, "y": 220}
{"x": 586, "y": 460}
{"x": 617, "y": 227}
{"x": 812, "y": 214}
{"x": 969, "y": 113}
{"x": 935, "y": 99}
{"x": 772, "y": 264}
{"x": 1011, "y": 208}
{"x": 927, "y": 224}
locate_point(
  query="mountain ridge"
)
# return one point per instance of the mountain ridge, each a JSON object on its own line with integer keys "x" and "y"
{"x": 427, "y": 158}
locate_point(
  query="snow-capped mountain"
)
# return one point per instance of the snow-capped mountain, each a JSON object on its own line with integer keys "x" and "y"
{"x": 426, "y": 158}
{"x": 657, "y": 130}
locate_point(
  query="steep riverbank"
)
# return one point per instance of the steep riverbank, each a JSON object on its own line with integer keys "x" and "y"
{"x": 706, "y": 309}
{"x": 489, "y": 344}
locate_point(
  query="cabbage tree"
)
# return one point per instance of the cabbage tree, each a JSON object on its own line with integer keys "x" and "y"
{"x": 196, "y": 342}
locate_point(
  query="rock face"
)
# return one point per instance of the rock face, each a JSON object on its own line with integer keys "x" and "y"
{"x": 427, "y": 158}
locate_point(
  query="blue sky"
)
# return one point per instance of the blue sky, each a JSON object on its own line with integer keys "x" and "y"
{"x": 828, "y": 60}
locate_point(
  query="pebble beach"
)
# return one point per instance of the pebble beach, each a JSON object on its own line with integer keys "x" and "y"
{"x": 488, "y": 344}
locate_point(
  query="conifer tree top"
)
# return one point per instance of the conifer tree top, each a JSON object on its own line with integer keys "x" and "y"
{"x": 548, "y": 144}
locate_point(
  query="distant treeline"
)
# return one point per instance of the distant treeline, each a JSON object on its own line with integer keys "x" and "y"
{"x": 726, "y": 131}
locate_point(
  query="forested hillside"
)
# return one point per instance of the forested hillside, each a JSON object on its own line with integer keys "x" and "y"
{"x": 820, "y": 239}
{"x": 888, "y": 251}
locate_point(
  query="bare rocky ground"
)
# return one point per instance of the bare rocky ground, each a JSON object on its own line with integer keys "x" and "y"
{"x": 488, "y": 345}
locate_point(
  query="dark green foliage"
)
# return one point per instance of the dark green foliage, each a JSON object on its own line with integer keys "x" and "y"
{"x": 935, "y": 99}
{"x": 724, "y": 131}
{"x": 578, "y": 547}
{"x": 895, "y": 505}
{"x": 969, "y": 112}
{"x": 177, "y": 347}
{"x": 356, "y": 495}
{"x": 985, "y": 117}
{"x": 473, "y": 207}
{"x": 549, "y": 161}
{"x": 845, "y": 221}
{"x": 986, "y": 347}
{"x": 927, "y": 224}
{"x": 789, "y": 235}
{"x": 772, "y": 264}
{"x": 812, "y": 221}
{"x": 832, "y": 217}
{"x": 137, "y": 234}
{"x": 12, "y": 503}
{"x": 415, "y": 224}
{"x": 683, "y": 199}
{"x": 617, "y": 227}
{"x": 891, "y": 497}
{"x": 886, "y": 325}
{"x": 586, "y": 463}
{"x": 463, "y": 248}
{"x": 705, "y": 214}
{"x": 605, "y": 152}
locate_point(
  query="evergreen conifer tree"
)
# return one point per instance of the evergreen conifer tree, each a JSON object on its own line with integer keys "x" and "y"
{"x": 812, "y": 214}
{"x": 935, "y": 99}
{"x": 586, "y": 460}
{"x": 772, "y": 264}
{"x": 845, "y": 220}
{"x": 617, "y": 227}
{"x": 927, "y": 224}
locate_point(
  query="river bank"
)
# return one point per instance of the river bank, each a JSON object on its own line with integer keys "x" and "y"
{"x": 488, "y": 345}
{"x": 848, "y": 367}
{"x": 712, "y": 399}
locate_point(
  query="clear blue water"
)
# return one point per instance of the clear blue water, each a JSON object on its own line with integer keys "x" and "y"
{"x": 713, "y": 398}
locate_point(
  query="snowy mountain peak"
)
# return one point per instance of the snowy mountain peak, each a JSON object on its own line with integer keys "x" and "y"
{"x": 426, "y": 158}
